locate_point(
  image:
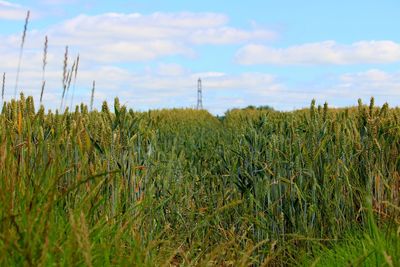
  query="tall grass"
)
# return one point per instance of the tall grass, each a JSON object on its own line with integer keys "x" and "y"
{"x": 371, "y": 246}
{"x": 65, "y": 76}
{"x": 74, "y": 84}
{"x": 92, "y": 95}
{"x": 3, "y": 86}
{"x": 21, "y": 50}
{"x": 44, "y": 67}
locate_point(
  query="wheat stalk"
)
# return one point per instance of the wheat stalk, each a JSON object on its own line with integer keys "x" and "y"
{"x": 2, "y": 86}
{"x": 44, "y": 67}
{"x": 21, "y": 49}
{"x": 92, "y": 97}
{"x": 65, "y": 75}
{"x": 75, "y": 74}
{"x": 68, "y": 81}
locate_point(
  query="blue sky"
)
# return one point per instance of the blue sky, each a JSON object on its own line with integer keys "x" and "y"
{"x": 150, "y": 53}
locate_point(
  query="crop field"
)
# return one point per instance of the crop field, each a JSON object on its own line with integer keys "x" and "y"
{"x": 181, "y": 187}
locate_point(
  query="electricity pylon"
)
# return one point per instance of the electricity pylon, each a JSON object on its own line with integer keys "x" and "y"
{"x": 199, "y": 95}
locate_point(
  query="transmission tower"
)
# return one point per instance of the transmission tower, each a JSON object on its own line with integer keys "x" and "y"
{"x": 199, "y": 95}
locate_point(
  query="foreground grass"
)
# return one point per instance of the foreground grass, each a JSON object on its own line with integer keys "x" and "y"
{"x": 179, "y": 187}
{"x": 372, "y": 247}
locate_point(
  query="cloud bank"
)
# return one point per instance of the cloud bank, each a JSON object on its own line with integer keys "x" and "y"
{"x": 119, "y": 37}
{"x": 321, "y": 53}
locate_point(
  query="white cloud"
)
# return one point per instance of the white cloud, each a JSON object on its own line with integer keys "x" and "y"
{"x": 128, "y": 51}
{"x": 11, "y": 11}
{"x": 373, "y": 75}
{"x": 171, "y": 69}
{"x": 9, "y": 4}
{"x": 119, "y": 37}
{"x": 57, "y": 2}
{"x": 229, "y": 35}
{"x": 328, "y": 52}
{"x": 372, "y": 82}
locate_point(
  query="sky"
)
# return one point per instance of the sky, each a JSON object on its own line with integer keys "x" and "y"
{"x": 150, "y": 53}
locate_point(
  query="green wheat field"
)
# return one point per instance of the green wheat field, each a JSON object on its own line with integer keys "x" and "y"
{"x": 257, "y": 187}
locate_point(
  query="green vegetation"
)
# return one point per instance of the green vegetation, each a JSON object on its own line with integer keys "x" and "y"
{"x": 180, "y": 187}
